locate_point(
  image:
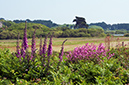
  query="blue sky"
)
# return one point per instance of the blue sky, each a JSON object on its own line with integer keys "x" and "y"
{"x": 64, "y": 11}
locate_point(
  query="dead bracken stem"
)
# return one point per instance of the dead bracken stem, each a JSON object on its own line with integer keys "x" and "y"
{"x": 107, "y": 42}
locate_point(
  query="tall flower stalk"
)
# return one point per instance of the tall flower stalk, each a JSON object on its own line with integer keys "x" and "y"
{"x": 44, "y": 46}
{"x": 50, "y": 47}
{"x": 18, "y": 47}
{"x": 33, "y": 46}
{"x": 23, "y": 52}
{"x": 49, "y": 52}
{"x": 25, "y": 41}
{"x": 61, "y": 54}
{"x": 44, "y": 49}
{"x": 40, "y": 47}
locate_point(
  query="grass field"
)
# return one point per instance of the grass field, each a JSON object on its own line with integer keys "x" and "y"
{"x": 69, "y": 45}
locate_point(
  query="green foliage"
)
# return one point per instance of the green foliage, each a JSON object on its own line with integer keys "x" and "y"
{"x": 6, "y": 23}
{"x": 47, "y": 23}
{"x": 12, "y": 31}
{"x": 110, "y": 32}
{"x": 95, "y": 27}
{"x": 81, "y": 32}
{"x": 119, "y": 26}
{"x": 120, "y": 32}
{"x": 113, "y": 71}
{"x": 126, "y": 35}
{"x": 99, "y": 32}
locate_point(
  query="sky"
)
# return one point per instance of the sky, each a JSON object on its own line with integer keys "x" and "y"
{"x": 64, "y": 11}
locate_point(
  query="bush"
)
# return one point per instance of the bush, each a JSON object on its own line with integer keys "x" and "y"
{"x": 126, "y": 35}
{"x": 82, "y": 34}
{"x": 114, "y": 70}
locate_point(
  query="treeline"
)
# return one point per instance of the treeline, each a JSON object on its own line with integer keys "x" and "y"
{"x": 50, "y": 24}
{"x": 113, "y": 26}
{"x": 116, "y": 31}
{"x": 58, "y": 32}
{"x": 47, "y": 23}
{"x": 11, "y": 29}
{"x": 81, "y": 32}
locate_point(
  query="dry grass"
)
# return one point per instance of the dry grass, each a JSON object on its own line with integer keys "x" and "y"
{"x": 69, "y": 45}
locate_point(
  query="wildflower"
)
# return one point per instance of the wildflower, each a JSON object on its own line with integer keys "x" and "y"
{"x": 40, "y": 49}
{"x": 87, "y": 52}
{"x": 17, "y": 47}
{"x": 49, "y": 52}
{"x": 25, "y": 41}
{"x": 18, "y": 53}
{"x": 50, "y": 47}
{"x": 44, "y": 50}
{"x": 44, "y": 47}
{"x": 23, "y": 53}
{"x": 33, "y": 46}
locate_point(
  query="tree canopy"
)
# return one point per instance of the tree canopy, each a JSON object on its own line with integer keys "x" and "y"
{"x": 80, "y": 22}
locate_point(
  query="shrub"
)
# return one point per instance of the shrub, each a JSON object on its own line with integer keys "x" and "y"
{"x": 126, "y": 35}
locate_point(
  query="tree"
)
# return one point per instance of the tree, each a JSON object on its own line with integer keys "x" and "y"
{"x": 80, "y": 23}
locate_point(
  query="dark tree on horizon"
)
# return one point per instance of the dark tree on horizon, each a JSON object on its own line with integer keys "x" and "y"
{"x": 80, "y": 23}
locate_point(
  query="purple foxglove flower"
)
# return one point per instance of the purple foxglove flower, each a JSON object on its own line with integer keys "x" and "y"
{"x": 44, "y": 47}
{"x": 17, "y": 47}
{"x": 33, "y": 46}
{"x": 40, "y": 49}
{"x": 18, "y": 53}
{"x": 23, "y": 53}
{"x": 50, "y": 47}
{"x": 25, "y": 41}
{"x": 49, "y": 52}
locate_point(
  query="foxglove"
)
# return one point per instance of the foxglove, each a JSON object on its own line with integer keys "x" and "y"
{"x": 40, "y": 49}
{"x": 50, "y": 47}
{"x": 17, "y": 47}
{"x": 33, "y": 46}
{"x": 44, "y": 47}
{"x": 25, "y": 41}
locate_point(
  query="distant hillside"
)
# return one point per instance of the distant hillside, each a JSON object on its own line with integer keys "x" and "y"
{"x": 48, "y": 23}
{"x": 113, "y": 26}
{"x": 51, "y": 24}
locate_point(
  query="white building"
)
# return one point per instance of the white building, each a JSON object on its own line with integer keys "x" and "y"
{"x": 0, "y": 24}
